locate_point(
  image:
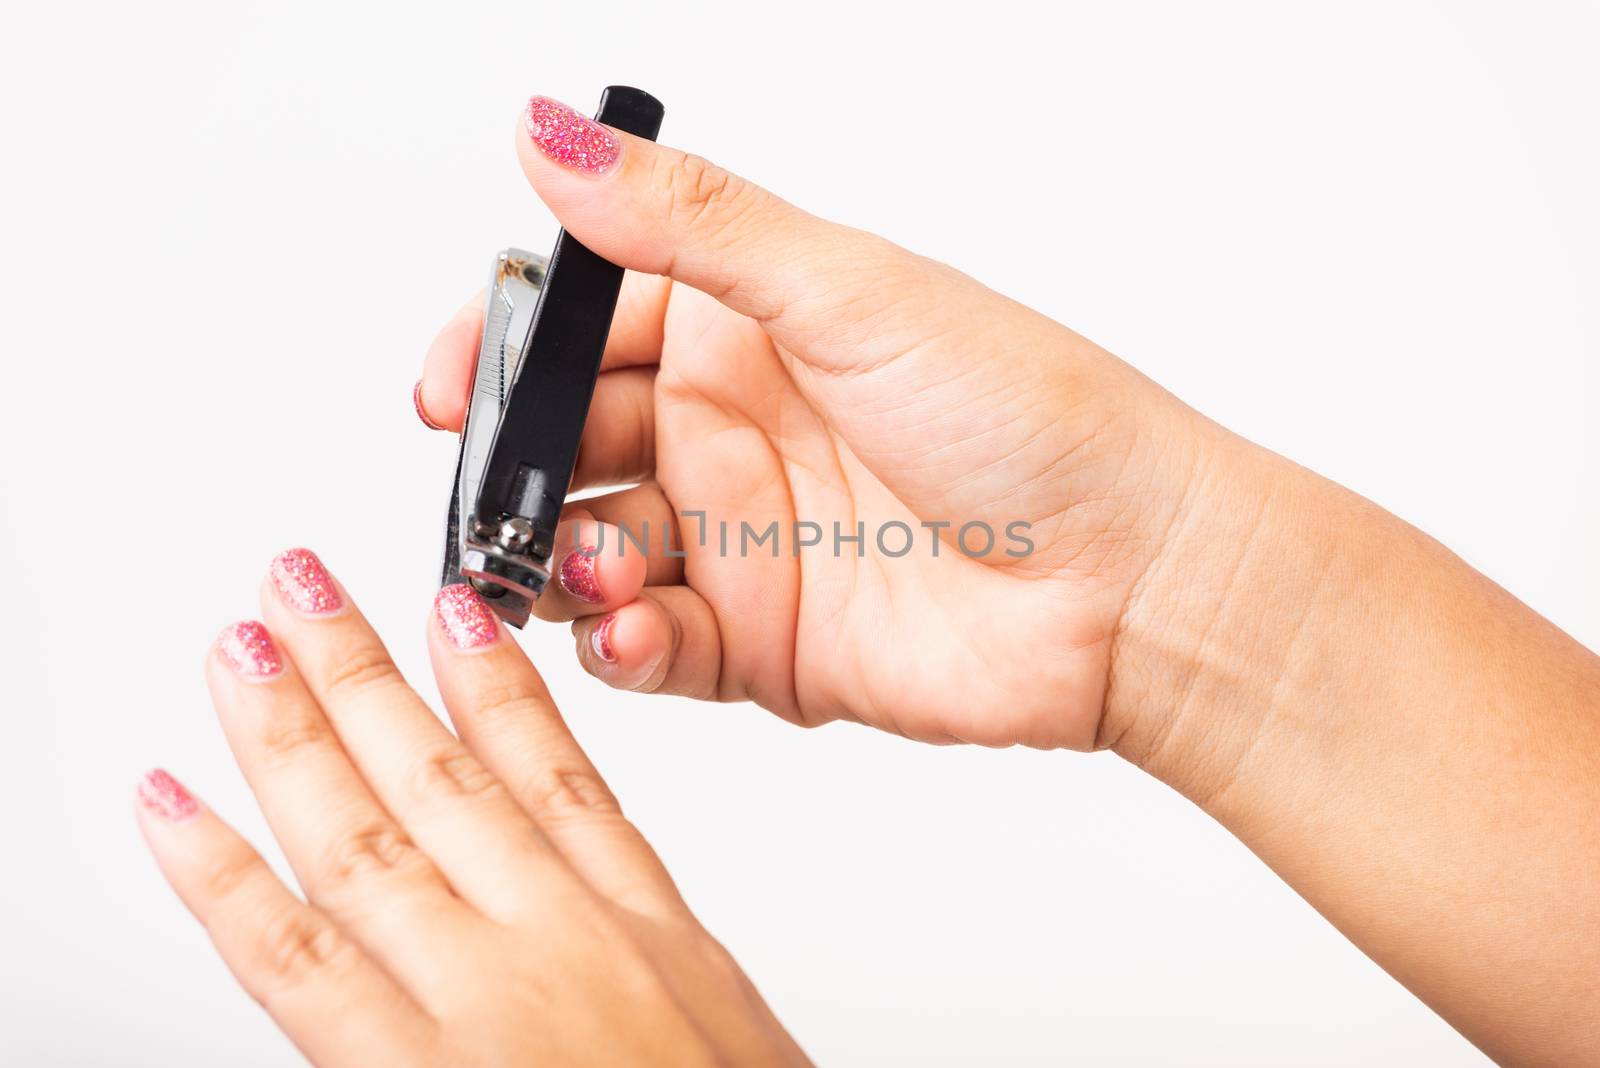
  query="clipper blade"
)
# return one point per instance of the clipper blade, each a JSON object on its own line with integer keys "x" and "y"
{"x": 509, "y": 303}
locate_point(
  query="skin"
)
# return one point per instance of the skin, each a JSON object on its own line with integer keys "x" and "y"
{"x": 469, "y": 901}
{"x": 1412, "y": 749}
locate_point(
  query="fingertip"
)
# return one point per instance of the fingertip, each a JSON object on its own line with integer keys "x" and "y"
{"x": 596, "y": 568}
{"x": 422, "y": 409}
{"x": 626, "y": 648}
{"x": 621, "y": 576}
{"x": 464, "y": 621}
{"x": 595, "y": 197}
{"x": 249, "y": 652}
{"x": 440, "y": 396}
{"x": 597, "y": 577}
{"x": 158, "y": 794}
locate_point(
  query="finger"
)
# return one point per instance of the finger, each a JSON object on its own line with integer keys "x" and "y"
{"x": 597, "y": 567}
{"x": 458, "y": 814}
{"x": 634, "y": 341}
{"x": 351, "y": 857}
{"x": 441, "y": 393}
{"x": 648, "y": 525}
{"x": 506, "y": 717}
{"x": 655, "y": 209}
{"x": 890, "y": 346}
{"x": 635, "y": 338}
{"x": 619, "y": 439}
{"x": 333, "y": 1001}
{"x": 665, "y": 642}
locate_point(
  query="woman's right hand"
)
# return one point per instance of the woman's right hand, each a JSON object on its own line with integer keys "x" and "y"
{"x": 1409, "y": 746}
{"x": 765, "y": 367}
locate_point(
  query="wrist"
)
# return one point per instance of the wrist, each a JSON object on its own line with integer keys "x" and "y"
{"x": 1405, "y": 743}
{"x": 1215, "y": 632}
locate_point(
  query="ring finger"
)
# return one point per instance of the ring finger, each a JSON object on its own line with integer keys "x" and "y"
{"x": 350, "y": 856}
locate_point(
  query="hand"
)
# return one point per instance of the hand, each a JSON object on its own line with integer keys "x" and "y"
{"x": 1409, "y": 746}
{"x": 770, "y": 367}
{"x": 481, "y": 901}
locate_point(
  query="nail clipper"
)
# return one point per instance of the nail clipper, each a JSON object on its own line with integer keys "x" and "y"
{"x": 544, "y": 329}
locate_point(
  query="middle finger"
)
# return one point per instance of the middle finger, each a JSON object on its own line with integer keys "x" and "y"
{"x": 491, "y": 852}
{"x": 348, "y": 853}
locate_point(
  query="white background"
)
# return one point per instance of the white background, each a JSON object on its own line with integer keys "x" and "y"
{"x": 1363, "y": 234}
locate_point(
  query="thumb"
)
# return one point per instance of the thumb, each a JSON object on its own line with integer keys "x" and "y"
{"x": 952, "y": 395}
{"x": 655, "y": 209}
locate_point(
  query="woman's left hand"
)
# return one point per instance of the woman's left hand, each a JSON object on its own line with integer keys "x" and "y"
{"x": 471, "y": 901}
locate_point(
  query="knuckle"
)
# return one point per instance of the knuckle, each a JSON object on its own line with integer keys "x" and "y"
{"x": 361, "y": 670}
{"x": 372, "y": 850}
{"x": 570, "y": 792}
{"x": 700, "y": 192}
{"x": 451, "y": 772}
{"x": 284, "y": 739}
{"x": 637, "y": 975}
{"x": 510, "y": 706}
{"x": 716, "y": 961}
{"x": 228, "y": 873}
{"x": 297, "y": 943}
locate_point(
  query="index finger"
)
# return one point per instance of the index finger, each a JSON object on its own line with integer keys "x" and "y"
{"x": 635, "y": 340}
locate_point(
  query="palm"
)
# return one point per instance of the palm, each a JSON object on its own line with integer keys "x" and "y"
{"x": 915, "y": 644}
{"x": 837, "y": 381}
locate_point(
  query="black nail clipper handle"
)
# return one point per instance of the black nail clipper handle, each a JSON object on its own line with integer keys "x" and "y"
{"x": 536, "y": 444}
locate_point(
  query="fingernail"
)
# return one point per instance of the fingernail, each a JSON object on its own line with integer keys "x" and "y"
{"x": 422, "y": 413}
{"x": 467, "y": 620}
{"x": 166, "y": 797}
{"x": 305, "y": 584}
{"x": 249, "y": 650}
{"x": 568, "y": 138}
{"x": 577, "y": 575}
{"x": 601, "y": 639}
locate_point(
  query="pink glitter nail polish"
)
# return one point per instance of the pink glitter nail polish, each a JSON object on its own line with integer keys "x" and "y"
{"x": 467, "y": 620}
{"x": 416, "y": 400}
{"x": 577, "y": 575}
{"x": 304, "y": 584}
{"x": 571, "y": 140}
{"x": 166, "y": 797}
{"x": 601, "y": 640}
{"x": 249, "y": 650}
